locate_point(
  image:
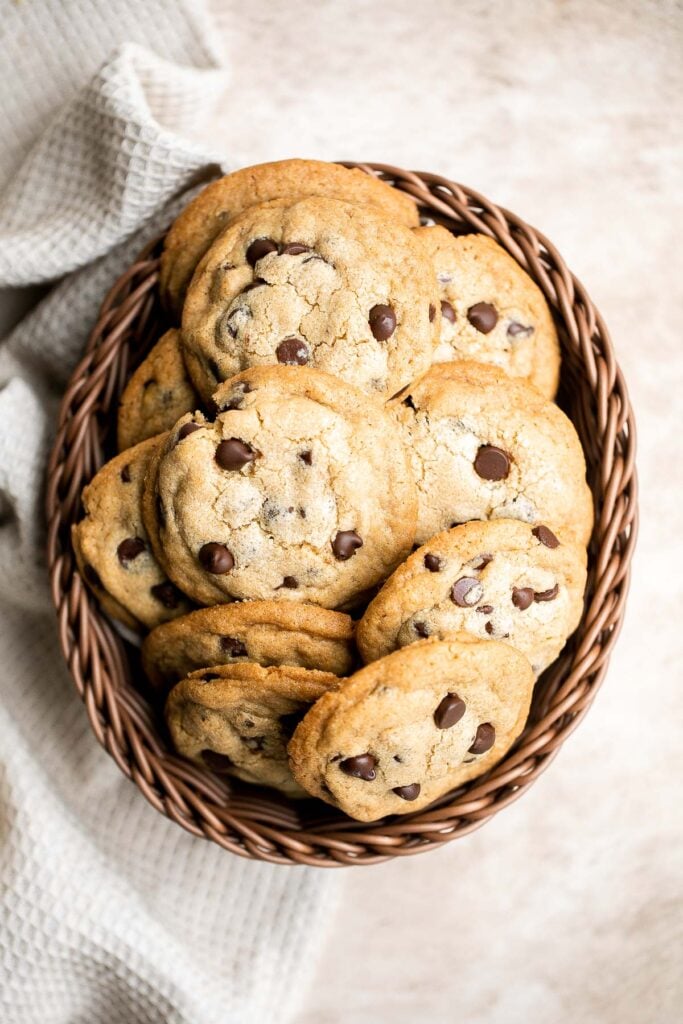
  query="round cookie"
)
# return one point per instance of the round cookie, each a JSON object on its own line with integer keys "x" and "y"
{"x": 265, "y": 632}
{"x": 300, "y": 490}
{"x": 202, "y": 220}
{"x": 491, "y": 310}
{"x": 405, "y": 730}
{"x": 315, "y": 282}
{"x": 484, "y": 446}
{"x": 157, "y": 394}
{"x": 502, "y": 579}
{"x": 112, "y": 547}
{"x": 237, "y": 719}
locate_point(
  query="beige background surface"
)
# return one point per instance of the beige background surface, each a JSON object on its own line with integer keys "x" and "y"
{"x": 567, "y": 908}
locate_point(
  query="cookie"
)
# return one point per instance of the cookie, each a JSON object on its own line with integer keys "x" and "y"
{"x": 491, "y": 310}
{"x": 238, "y": 719}
{"x": 265, "y": 632}
{"x": 157, "y": 394}
{"x": 299, "y": 490}
{"x": 112, "y": 547}
{"x": 412, "y": 726}
{"x": 313, "y": 282}
{"x": 484, "y": 446}
{"x": 209, "y": 213}
{"x": 502, "y": 580}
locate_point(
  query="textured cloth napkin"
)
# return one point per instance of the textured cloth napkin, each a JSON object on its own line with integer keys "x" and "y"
{"x": 110, "y": 913}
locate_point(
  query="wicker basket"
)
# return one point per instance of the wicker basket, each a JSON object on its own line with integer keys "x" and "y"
{"x": 258, "y": 823}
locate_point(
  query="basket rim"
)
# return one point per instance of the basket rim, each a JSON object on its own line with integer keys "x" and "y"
{"x": 260, "y": 824}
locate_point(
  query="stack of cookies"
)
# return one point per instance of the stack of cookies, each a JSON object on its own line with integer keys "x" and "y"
{"x": 344, "y": 454}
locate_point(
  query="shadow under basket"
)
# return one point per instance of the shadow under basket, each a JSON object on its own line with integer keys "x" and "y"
{"x": 260, "y": 823}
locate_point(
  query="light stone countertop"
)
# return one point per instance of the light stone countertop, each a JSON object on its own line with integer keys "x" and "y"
{"x": 567, "y": 907}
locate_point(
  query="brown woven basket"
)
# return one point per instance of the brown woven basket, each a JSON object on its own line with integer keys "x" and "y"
{"x": 259, "y": 823}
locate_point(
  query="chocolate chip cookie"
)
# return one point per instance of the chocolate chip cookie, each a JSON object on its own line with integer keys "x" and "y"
{"x": 265, "y": 632}
{"x": 157, "y": 394}
{"x": 313, "y": 282}
{"x": 112, "y": 547}
{"x": 299, "y": 490}
{"x": 484, "y": 446}
{"x": 491, "y": 310}
{"x": 502, "y": 579}
{"x": 405, "y": 730}
{"x": 209, "y": 213}
{"x": 238, "y": 719}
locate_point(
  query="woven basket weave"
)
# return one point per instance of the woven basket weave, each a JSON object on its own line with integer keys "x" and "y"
{"x": 258, "y": 823}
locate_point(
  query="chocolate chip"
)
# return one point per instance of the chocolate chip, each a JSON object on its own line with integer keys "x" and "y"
{"x": 492, "y": 463}
{"x": 522, "y": 597}
{"x": 432, "y": 312}
{"x": 216, "y": 558}
{"x": 547, "y": 595}
{"x": 489, "y": 628}
{"x": 382, "y": 322}
{"x": 545, "y": 536}
{"x": 433, "y": 563}
{"x": 292, "y": 352}
{"x": 167, "y": 594}
{"x": 517, "y": 330}
{"x": 91, "y": 576}
{"x": 307, "y": 457}
{"x": 259, "y": 248}
{"x": 447, "y": 312}
{"x": 483, "y": 316}
{"x": 232, "y": 646}
{"x": 295, "y": 249}
{"x": 449, "y": 712}
{"x": 484, "y": 739}
{"x": 409, "y": 402}
{"x": 288, "y": 723}
{"x": 187, "y": 428}
{"x": 410, "y": 792}
{"x": 422, "y": 629}
{"x": 345, "y": 544}
{"x": 466, "y": 591}
{"x": 480, "y": 561}
{"x": 129, "y": 549}
{"x": 485, "y": 609}
{"x": 125, "y": 473}
{"x": 360, "y": 767}
{"x": 233, "y": 454}
{"x": 214, "y": 369}
{"x": 289, "y": 583}
{"x": 215, "y": 761}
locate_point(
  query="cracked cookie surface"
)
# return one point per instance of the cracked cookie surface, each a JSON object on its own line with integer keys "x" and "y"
{"x": 237, "y": 719}
{"x": 405, "y": 730}
{"x": 313, "y": 282}
{"x": 300, "y": 490}
{"x": 484, "y": 446}
{"x": 491, "y": 310}
{"x": 158, "y": 393}
{"x": 265, "y": 632}
{"x": 502, "y": 580}
{"x": 203, "y": 219}
{"x": 112, "y": 546}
